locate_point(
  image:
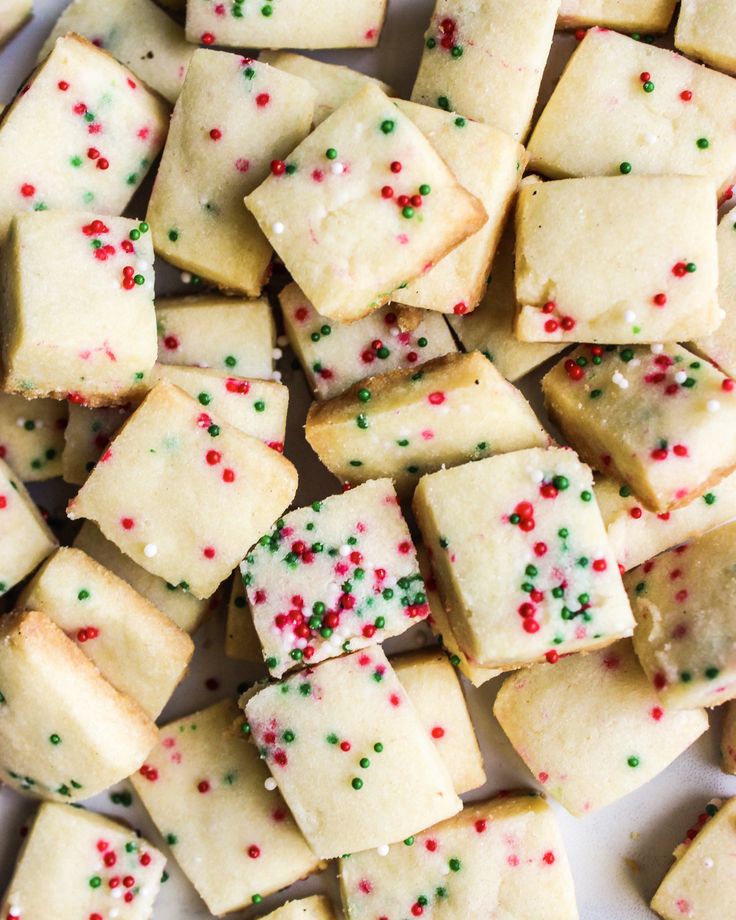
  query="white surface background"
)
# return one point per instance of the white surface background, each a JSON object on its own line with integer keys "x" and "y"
{"x": 619, "y": 854}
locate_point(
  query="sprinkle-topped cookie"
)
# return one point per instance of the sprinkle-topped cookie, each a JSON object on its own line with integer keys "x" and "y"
{"x": 624, "y": 15}
{"x": 32, "y": 436}
{"x": 366, "y": 180}
{"x": 656, "y": 418}
{"x": 720, "y": 348}
{"x": 706, "y": 30}
{"x": 87, "y": 436}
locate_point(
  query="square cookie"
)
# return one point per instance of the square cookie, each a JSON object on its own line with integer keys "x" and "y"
{"x": 351, "y": 722}
{"x": 720, "y": 348}
{"x": 623, "y": 15}
{"x": 657, "y": 419}
{"x": 65, "y": 733}
{"x": 521, "y": 558}
{"x": 336, "y": 576}
{"x": 591, "y": 729}
{"x": 575, "y": 286}
{"x": 32, "y": 436}
{"x": 706, "y": 30}
{"x": 89, "y": 132}
{"x": 203, "y": 775}
{"x": 79, "y": 864}
{"x": 95, "y": 345}
{"x": 406, "y": 423}
{"x": 366, "y": 180}
{"x": 15, "y": 14}
{"x": 241, "y": 638}
{"x": 87, "y": 436}
{"x": 183, "y": 495}
{"x": 212, "y": 160}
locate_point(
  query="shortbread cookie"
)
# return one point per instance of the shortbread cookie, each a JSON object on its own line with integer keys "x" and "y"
{"x": 65, "y": 733}
{"x": 14, "y": 14}
{"x": 368, "y": 181}
{"x": 87, "y": 436}
{"x": 333, "y": 355}
{"x": 97, "y": 345}
{"x": 546, "y": 582}
{"x": 229, "y": 333}
{"x": 406, "y": 423}
{"x": 591, "y": 729}
{"x": 315, "y": 908}
{"x": 32, "y": 436}
{"x": 88, "y": 131}
{"x": 203, "y": 775}
{"x": 657, "y": 419}
{"x": 500, "y": 858}
{"x": 183, "y": 495}
{"x": 137, "y": 33}
{"x": 623, "y": 15}
{"x": 565, "y": 288}
{"x": 720, "y": 348}
{"x": 212, "y": 160}
{"x": 706, "y": 30}
{"x": 728, "y": 739}
{"x": 287, "y": 24}
{"x": 241, "y": 638}
{"x": 76, "y": 864}
{"x": 336, "y": 576}
{"x": 103, "y": 614}
{"x": 485, "y": 60}
{"x": 350, "y": 722}
{"x": 671, "y": 117}
{"x": 436, "y": 693}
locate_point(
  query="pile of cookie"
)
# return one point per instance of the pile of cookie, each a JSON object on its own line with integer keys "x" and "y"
{"x": 424, "y": 256}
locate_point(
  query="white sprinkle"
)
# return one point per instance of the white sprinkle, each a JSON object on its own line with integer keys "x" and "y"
{"x": 383, "y": 849}
{"x": 186, "y": 277}
{"x": 537, "y": 475}
{"x": 150, "y": 550}
{"x": 650, "y": 138}
{"x": 620, "y": 381}
{"x": 345, "y": 550}
{"x": 394, "y": 331}
{"x": 282, "y": 341}
{"x": 337, "y": 169}
{"x": 270, "y": 784}
{"x": 708, "y": 862}
{"x": 276, "y": 354}
{"x": 20, "y": 422}
{"x": 276, "y": 375}
{"x": 657, "y": 348}
{"x": 629, "y": 316}
{"x": 277, "y": 228}
{"x": 713, "y": 405}
{"x": 116, "y": 893}
{"x": 722, "y": 313}
{"x": 680, "y": 377}
{"x": 114, "y": 913}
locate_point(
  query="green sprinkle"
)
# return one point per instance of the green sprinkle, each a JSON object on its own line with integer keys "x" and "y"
{"x": 409, "y": 842}
{"x": 378, "y": 747}
{"x": 289, "y": 736}
{"x": 648, "y": 87}
{"x": 633, "y": 761}
{"x": 691, "y": 267}
{"x": 205, "y": 399}
{"x": 457, "y": 51}
{"x": 686, "y": 677}
{"x": 624, "y": 168}
{"x": 422, "y": 342}
{"x": 173, "y": 235}
{"x": 271, "y": 663}
{"x": 455, "y": 865}
{"x": 431, "y": 43}
{"x": 561, "y": 483}
{"x": 259, "y": 405}
{"x": 709, "y": 498}
{"x": 596, "y": 394}
{"x": 331, "y": 153}
{"x": 364, "y": 395}
{"x": 586, "y": 496}
{"x": 95, "y": 881}
{"x": 702, "y": 143}
{"x": 388, "y": 126}
{"x": 231, "y": 361}
{"x": 624, "y": 491}
{"x": 711, "y": 673}
{"x": 256, "y": 899}
{"x": 83, "y": 595}
{"x": 460, "y": 122}
{"x": 365, "y": 763}
{"x": 55, "y": 739}
{"x": 407, "y": 212}
{"x": 444, "y": 103}
{"x": 356, "y": 783}
{"x": 266, "y": 10}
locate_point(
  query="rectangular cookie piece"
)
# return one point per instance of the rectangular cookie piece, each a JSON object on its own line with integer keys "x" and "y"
{"x": 65, "y": 733}
{"x": 102, "y": 614}
{"x": 649, "y": 16}
{"x": 406, "y": 423}
{"x": 87, "y": 436}
{"x": 720, "y": 348}
{"x": 241, "y": 638}
{"x": 77, "y": 316}
{"x": 203, "y": 774}
{"x": 366, "y": 180}
{"x": 565, "y": 289}
{"x": 183, "y": 495}
{"x": 14, "y": 14}
{"x": 350, "y": 721}
{"x": 315, "y": 908}
{"x": 675, "y": 121}
{"x": 500, "y": 858}
{"x": 336, "y": 576}
{"x": 591, "y": 729}
{"x": 333, "y": 355}
{"x": 212, "y": 160}
{"x": 521, "y": 558}
{"x": 657, "y": 419}
{"x": 485, "y": 60}
{"x": 77, "y": 864}
{"x": 706, "y": 30}
{"x": 89, "y": 132}
{"x": 32, "y": 436}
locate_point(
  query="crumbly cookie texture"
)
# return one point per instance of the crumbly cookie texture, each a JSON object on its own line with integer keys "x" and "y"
{"x": 591, "y": 729}
{"x": 720, "y": 348}
{"x": 521, "y": 558}
{"x": 203, "y": 774}
{"x": 65, "y": 733}
{"x": 182, "y": 494}
{"x": 77, "y": 864}
{"x": 315, "y": 908}
{"x": 671, "y": 117}
{"x": 32, "y": 436}
{"x": 650, "y": 16}
{"x": 89, "y": 131}
{"x": 362, "y": 206}
{"x": 657, "y": 419}
{"x": 212, "y": 160}
{"x": 408, "y": 422}
{"x": 352, "y": 721}
{"x": 706, "y": 30}
{"x": 504, "y": 857}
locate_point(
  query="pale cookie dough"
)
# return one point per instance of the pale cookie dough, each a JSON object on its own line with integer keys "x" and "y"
{"x": 728, "y": 739}
{"x": 87, "y": 436}
{"x": 14, "y": 14}
{"x": 623, "y": 15}
{"x": 437, "y": 695}
{"x": 336, "y": 576}
{"x": 77, "y": 314}
{"x": 591, "y": 729}
{"x": 76, "y": 864}
{"x": 668, "y": 117}
{"x": 65, "y": 733}
{"x": 579, "y": 285}
{"x": 362, "y": 206}
{"x": 203, "y": 776}
{"x": 706, "y": 30}
{"x": 659, "y": 419}
{"x": 32, "y": 436}
{"x": 241, "y": 638}
{"x": 229, "y": 333}
{"x": 212, "y": 160}
{"x": 521, "y": 558}
{"x": 334, "y": 355}
{"x": 82, "y": 137}
{"x": 350, "y": 724}
{"x": 499, "y": 858}
{"x": 720, "y": 348}
{"x": 406, "y": 423}
{"x": 183, "y": 495}
{"x": 135, "y": 646}
{"x": 137, "y": 33}
{"x": 485, "y": 60}
{"x": 315, "y": 908}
